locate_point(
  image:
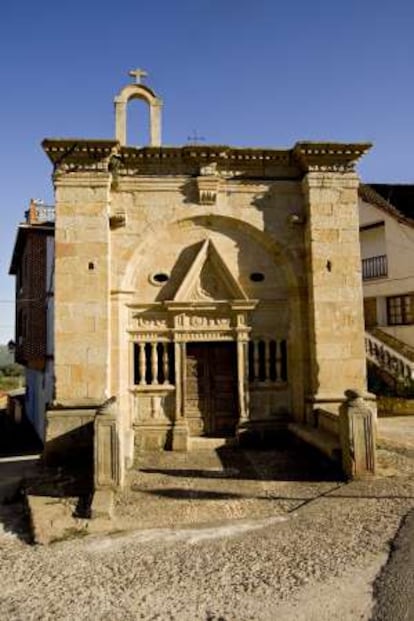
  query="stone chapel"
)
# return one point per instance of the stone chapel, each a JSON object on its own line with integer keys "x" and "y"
{"x": 212, "y": 291}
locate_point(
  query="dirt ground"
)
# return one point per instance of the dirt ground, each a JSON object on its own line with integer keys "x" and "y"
{"x": 217, "y": 537}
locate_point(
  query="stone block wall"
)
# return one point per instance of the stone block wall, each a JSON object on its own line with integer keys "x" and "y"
{"x": 337, "y": 356}
{"x": 82, "y": 258}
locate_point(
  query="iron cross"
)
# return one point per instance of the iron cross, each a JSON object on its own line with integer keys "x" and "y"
{"x": 195, "y": 138}
{"x": 138, "y": 74}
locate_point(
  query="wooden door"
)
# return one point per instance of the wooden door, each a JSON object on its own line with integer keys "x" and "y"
{"x": 370, "y": 312}
{"x": 211, "y": 389}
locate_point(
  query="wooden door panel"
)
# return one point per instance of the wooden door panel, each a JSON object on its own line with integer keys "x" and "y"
{"x": 211, "y": 388}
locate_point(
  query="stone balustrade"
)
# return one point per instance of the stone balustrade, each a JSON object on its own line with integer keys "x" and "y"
{"x": 388, "y": 359}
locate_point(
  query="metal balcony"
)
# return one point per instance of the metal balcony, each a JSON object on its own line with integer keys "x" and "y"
{"x": 375, "y": 267}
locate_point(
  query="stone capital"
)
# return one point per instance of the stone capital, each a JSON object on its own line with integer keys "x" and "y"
{"x": 314, "y": 179}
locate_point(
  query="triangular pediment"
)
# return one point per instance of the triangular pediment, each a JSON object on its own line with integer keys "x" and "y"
{"x": 209, "y": 279}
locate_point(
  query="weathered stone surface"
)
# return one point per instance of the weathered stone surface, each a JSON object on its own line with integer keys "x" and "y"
{"x": 257, "y": 249}
{"x": 358, "y": 436}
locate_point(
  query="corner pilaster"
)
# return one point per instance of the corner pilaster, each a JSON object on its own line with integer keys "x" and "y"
{"x": 337, "y": 356}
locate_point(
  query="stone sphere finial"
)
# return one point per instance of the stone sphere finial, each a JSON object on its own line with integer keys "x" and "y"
{"x": 353, "y": 393}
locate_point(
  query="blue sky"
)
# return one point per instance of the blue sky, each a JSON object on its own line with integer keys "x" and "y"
{"x": 241, "y": 72}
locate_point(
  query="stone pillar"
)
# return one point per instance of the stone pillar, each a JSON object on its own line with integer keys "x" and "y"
{"x": 242, "y": 429}
{"x": 336, "y": 327}
{"x": 155, "y": 123}
{"x": 82, "y": 271}
{"x": 82, "y": 307}
{"x": 120, "y": 121}
{"x": 358, "y": 436}
{"x": 108, "y": 463}
{"x": 180, "y": 440}
{"x": 242, "y": 379}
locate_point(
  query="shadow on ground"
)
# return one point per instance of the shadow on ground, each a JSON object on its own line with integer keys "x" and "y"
{"x": 287, "y": 461}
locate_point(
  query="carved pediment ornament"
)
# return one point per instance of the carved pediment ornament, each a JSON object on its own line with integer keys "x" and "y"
{"x": 209, "y": 279}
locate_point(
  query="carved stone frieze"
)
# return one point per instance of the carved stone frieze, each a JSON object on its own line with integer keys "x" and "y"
{"x": 211, "y": 335}
{"x": 149, "y": 336}
{"x": 200, "y": 321}
{"x": 150, "y": 322}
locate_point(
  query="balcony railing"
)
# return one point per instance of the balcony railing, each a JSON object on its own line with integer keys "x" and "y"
{"x": 388, "y": 359}
{"x": 375, "y": 267}
{"x": 39, "y": 213}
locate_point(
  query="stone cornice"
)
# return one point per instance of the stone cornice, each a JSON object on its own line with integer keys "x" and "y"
{"x": 328, "y": 157}
{"x": 81, "y": 155}
{"x": 73, "y": 155}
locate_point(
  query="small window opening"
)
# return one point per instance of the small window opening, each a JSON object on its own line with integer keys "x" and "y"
{"x": 159, "y": 278}
{"x": 257, "y": 277}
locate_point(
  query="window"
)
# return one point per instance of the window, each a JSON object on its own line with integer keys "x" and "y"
{"x": 400, "y": 309}
{"x": 159, "y": 278}
{"x": 257, "y": 277}
{"x": 267, "y": 361}
{"x": 154, "y": 363}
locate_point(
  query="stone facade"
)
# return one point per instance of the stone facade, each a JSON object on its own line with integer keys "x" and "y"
{"x": 212, "y": 290}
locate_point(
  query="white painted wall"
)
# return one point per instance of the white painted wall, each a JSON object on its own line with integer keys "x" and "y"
{"x": 372, "y": 242}
{"x": 399, "y": 248}
{"x": 396, "y": 240}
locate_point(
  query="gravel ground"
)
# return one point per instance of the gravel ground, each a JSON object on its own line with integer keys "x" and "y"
{"x": 292, "y": 549}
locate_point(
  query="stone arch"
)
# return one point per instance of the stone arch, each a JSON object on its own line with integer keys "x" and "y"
{"x": 221, "y": 222}
{"x": 285, "y": 260}
{"x": 138, "y": 91}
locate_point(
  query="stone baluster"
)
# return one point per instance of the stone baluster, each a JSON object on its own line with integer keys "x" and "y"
{"x": 141, "y": 363}
{"x": 255, "y": 360}
{"x": 165, "y": 365}
{"x": 278, "y": 360}
{"x": 154, "y": 363}
{"x": 268, "y": 361}
{"x": 265, "y": 357}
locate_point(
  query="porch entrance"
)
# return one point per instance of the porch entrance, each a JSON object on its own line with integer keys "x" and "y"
{"x": 211, "y": 402}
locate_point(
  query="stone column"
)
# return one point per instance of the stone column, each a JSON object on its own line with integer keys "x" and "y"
{"x": 242, "y": 379}
{"x": 242, "y": 430}
{"x": 180, "y": 440}
{"x": 335, "y": 311}
{"x": 358, "y": 436}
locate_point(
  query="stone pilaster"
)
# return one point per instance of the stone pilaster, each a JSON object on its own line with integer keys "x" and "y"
{"x": 82, "y": 263}
{"x": 336, "y": 349}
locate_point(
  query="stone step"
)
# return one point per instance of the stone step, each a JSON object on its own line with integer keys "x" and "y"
{"x": 210, "y": 444}
{"x": 323, "y": 441}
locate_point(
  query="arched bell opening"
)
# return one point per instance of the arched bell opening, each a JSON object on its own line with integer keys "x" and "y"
{"x": 142, "y": 92}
